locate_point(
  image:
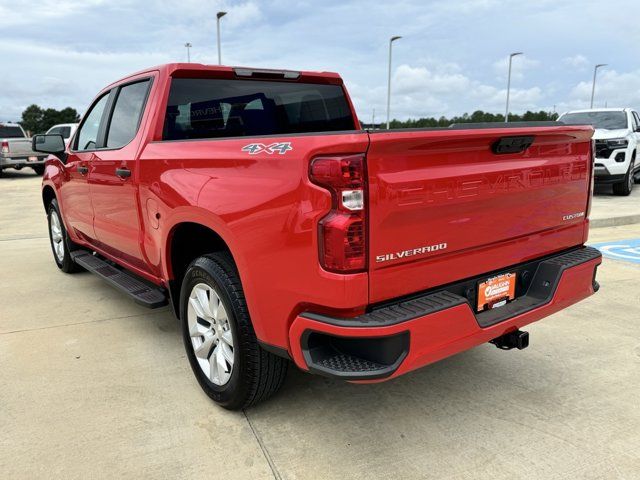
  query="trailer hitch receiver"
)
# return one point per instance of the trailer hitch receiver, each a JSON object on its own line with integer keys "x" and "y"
{"x": 516, "y": 339}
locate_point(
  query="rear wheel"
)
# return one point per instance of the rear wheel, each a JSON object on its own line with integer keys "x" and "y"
{"x": 39, "y": 169}
{"x": 60, "y": 242}
{"x": 625, "y": 187}
{"x": 218, "y": 336}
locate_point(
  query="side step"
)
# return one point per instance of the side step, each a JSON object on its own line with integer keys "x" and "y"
{"x": 142, "y": 293}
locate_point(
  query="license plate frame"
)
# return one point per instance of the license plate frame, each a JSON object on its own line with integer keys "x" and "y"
{"x": 496, "y": 291}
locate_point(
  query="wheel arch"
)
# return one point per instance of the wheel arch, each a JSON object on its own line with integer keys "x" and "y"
{"x": 185, "y": 241}
{"x": 48, "y": 194}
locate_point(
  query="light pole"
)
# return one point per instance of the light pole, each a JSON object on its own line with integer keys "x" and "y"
{"x": 593, "y": 87}
{"x": 506, "y": 113}
{"x": 391, "y": 40}
{"x": 188, "y": 46}
{"x": 219, "y": 15}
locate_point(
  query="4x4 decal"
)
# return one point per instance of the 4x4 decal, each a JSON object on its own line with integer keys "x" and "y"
{"x": 255, "y": 148}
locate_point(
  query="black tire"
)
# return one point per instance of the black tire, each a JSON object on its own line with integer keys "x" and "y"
{"x": 39, "y": 169}
{"x": 256, "y": 373}
{"x": 625, "y": 187}
{"x": 66, "y": 264}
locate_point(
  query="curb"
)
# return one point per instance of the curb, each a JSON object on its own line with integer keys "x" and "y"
{"x": 614, "y": 221}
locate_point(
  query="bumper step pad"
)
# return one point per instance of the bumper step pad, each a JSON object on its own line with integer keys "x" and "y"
{"x": 142, "y": 293}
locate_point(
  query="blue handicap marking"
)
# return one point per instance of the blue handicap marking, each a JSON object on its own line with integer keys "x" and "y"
{"x": 627, "y": 250}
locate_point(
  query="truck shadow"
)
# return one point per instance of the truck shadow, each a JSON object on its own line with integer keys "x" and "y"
{"x": 13, "y": 174}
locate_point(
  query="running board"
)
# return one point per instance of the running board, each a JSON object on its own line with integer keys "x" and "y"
{"x": 142, "y": 293}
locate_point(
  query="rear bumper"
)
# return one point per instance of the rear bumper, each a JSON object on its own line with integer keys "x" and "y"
{"x": 21, "y": 161}
{"x": 396, "y": 338}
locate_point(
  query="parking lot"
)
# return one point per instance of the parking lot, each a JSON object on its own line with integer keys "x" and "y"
{"x": 94, "y": 386}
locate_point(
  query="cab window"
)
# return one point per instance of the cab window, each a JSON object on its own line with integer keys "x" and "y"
{"x": 127, "y": 113}
{"x": 87, "y": 137}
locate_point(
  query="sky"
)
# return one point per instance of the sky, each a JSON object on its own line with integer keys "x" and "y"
{"x": 452, "y": 59}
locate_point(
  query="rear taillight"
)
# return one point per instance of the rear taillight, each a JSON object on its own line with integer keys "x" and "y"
{"x": 342, "y": 233}
{"x": 5, "y": 146}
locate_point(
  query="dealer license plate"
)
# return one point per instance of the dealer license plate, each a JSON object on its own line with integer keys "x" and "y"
{"x": 496, "y": 291}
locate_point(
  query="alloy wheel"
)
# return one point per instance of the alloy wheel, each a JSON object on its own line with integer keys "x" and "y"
{"x": 210, "y": 332}
{"x": 57, "y": 238}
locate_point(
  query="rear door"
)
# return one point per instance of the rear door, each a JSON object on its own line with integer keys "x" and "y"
{"x": 445, "y": 207}
{"x": 77, "y": 208}
{"x": 114, "y": 176}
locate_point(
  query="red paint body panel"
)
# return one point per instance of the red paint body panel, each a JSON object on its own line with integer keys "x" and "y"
{"x": 424, "y": 188}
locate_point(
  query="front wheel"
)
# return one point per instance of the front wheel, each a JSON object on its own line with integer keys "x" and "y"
{"x": 625, "y": 187}
{"x": 218, "y": 336}
{"x": 60, "y": 242}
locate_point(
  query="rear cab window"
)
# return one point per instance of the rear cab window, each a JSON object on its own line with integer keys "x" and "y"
{"x": 11, "y": 131}
{"x": 218, "y": 108}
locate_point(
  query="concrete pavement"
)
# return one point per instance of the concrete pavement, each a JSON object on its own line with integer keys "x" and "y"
{"x": 609, "y": 210}
{"x": 93, "y": 386}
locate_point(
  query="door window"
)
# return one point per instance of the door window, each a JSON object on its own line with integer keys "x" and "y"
{"x": 88, "y": 134}
{"x": 126, "y": 114}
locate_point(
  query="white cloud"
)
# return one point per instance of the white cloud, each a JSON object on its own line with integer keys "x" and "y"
{"x": 612, "y": 89}
{"x": 576, "y": 61}
{"x": 519, "y": 65}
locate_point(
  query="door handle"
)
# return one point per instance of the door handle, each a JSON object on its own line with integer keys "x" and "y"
{"x": 123, "y": 172}
{"x": 82, "y": 169}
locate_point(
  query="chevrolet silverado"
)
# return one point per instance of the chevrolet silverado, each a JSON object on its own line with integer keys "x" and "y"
{"x": 278, "y": 230}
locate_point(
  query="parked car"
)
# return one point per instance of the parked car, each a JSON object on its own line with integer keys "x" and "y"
{"x": 277, "y": 229}
{"x": 16, "y": 151}
{"x": 617, "y": 140}
{"x": 65, "y": 129}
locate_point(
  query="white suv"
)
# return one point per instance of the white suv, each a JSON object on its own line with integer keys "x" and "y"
{"x": 617, "y": 141}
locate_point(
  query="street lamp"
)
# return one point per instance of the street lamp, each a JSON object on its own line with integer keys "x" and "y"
{"x": 593, "y": 87}
{"x": 188, "y": 46}
{"x": 506, "y": 113}
{"x": 391, "y": 40}
{"x": 219, "y": 15}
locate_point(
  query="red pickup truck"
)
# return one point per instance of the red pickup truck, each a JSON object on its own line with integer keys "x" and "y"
{"x": 278, "y": 230}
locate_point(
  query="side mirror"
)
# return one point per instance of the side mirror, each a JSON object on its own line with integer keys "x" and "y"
{"x": 53, "y": 144}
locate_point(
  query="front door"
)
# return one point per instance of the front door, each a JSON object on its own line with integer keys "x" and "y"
{"x": 75, "y": 201}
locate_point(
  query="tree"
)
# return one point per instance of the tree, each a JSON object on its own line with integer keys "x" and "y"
{"x": 476, "y": 117}
{"x": 32, "y": 118}
{"x": 37, "y": 120}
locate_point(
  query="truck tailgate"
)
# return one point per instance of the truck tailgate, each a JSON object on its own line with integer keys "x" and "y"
{"x": 20, "y": 147}
{"x": 443, "y": 206}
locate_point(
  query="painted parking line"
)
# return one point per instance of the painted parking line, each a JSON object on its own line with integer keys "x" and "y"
{"x": 626, "y": 250}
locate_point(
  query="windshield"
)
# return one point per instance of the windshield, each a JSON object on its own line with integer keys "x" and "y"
{"x": 603, "y": 120}
{"x": 11, "y": 131}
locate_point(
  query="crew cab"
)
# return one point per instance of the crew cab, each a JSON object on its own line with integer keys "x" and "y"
{"x": 278, "y": 230}
{"x": 15, "y": 150}
{"x": 617, "y": 140}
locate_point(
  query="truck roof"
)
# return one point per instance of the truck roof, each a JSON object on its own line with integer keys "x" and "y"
{"x": 224, "y": 71}
{"x": 587, "y": 110}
